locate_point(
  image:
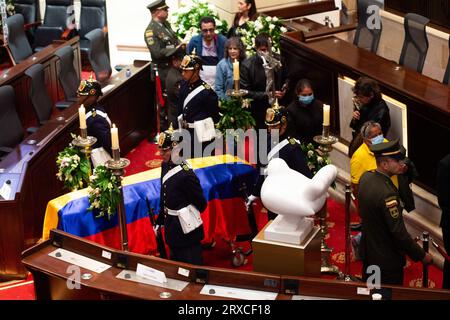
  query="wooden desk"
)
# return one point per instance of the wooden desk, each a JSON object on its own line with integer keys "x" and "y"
{"x": 31, "y": 168}
{"x": 50, "y": 276}
{"x": 16, "y": 77}
{"x": 428, "y": 101}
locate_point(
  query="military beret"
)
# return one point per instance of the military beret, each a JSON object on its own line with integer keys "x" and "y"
{"x": 276, "y": 114}
{"x": 191, "y": 62}
{"x": 158, "y": 4}
{"x": 90, "y": 87}
{"x": 391, "y": 149}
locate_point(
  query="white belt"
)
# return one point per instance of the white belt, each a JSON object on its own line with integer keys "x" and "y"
{"x": 190, "y": 125}
{"x": 172, "y": 212}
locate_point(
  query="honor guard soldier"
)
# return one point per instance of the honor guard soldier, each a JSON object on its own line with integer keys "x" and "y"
{"x": 198, "y": 107}
{"x": 162, "y": 42}
{"x": 97, "y": 121}
{"x": 385, "y": 239}
{"x": 181, "y": 203}
{"x": 286, "y": 148}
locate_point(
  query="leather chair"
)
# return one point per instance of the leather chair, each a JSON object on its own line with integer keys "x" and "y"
{"x": 92, "y": 16}
{"x": 97, "y": 55}
{"x": 446, "y": 79}
{"x": 41, "y": 101}
{"x": 68, "y": 77}
{"x": 11, "y": 132}
{"x": 31, "y": 15}
{"x": 415, "y": 45}
{"x": 18, "y": 45}
{"x": 29, "y": 9}
{"x": 365, "y": 37}
{"x": 55, "y": 25}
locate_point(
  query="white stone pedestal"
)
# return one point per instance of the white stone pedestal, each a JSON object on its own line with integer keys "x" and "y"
{"x": 289, "y": 229}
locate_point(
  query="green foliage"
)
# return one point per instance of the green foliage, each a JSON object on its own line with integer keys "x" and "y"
{"x": 235, "y": 114}
{"x": 314, "y": 159}
{"x": 185, "y": 21}
{"x": 273, "y": 26}
{"x": 73, "y": 168}
{"x": 104, "y": 192}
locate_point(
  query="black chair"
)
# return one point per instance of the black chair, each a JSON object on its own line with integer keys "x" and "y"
{"x": 92, "y": 16}
{"x": 68, "y": 76}
{"x": 97, "y": 55}
{"x": 31, "y": 15}
{"x": 18, "y": 44}
{"x": 447, "y": 71}
{"x": 415, "y": 45}
{"x": 11, "y": 132}
{"x": 367, "y": 35}
{"x": 41, "y": 101}
{"x": 29, "y": 9}
{"x": 55, "y": 25}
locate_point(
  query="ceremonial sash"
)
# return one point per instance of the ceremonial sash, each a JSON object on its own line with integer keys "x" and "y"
{"x": 171, "y": 173}
{"x": 192, "y": 94}
{"x": 100, "y": 113}
{"x": 277, "y": 149}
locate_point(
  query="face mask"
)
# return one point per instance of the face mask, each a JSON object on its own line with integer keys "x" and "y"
{"x": 306, "y": 99}
{"x": 378, "y": 139}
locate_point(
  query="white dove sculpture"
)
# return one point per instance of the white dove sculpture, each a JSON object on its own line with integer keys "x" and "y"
{"x": 293, "y": 197}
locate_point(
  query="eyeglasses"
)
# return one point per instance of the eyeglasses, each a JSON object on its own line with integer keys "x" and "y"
{"x": 208, "y": 30}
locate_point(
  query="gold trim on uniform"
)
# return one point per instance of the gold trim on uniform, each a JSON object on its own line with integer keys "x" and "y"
{"x": 162, "y": 137}
{"x": 270, "y": 115}
{"x": 292, "y": 141}
{"x": 185, "y": 167}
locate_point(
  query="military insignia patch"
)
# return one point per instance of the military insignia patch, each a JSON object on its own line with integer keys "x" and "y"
{"x": 94, "y": 113}
{"x": 149, "y": 33}
{"x": 292, "y": 141}
{"x": 185, "y": 167}
{"x": 392, "y": 206}
{"x": 270, "y": 115}
{"x": 207, "y": 86}
{"x": 92, "y": 92}
{"x": 150, "y": 40}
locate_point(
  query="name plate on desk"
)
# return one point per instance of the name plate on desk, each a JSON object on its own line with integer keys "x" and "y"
{"x": 79, "y": 260}
{"x": 237, "y": 293}
{"x": 173, "y": 284}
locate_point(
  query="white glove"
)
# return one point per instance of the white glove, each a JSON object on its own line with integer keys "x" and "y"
{"x": 156, "y": 228}
{"x": 249, "y": 201}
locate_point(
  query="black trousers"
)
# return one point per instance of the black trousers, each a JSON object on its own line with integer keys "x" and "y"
{"x": 446, "y": 238}
{"x": 388, "y": 276}
{"x": 192, "y": 254}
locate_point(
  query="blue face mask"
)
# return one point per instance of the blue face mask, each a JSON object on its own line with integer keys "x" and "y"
{"x": 378, "y": 139}
{"x": 306, "y": 99}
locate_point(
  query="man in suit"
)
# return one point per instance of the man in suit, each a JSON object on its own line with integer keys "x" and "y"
{"x": 181, "y": 203}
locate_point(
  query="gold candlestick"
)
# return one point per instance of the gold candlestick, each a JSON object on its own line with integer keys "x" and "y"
{"x": 85, "y": 143}
{"x": 117, "y": 166}
{"x": 236, "y": 91}
{"x": 325, "y": 142}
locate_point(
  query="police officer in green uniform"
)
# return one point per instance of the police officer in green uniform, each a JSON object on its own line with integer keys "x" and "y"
{"x": 181, "y": 194}
{"x": 385, "y": 240}
{"x": 162, "y": 42}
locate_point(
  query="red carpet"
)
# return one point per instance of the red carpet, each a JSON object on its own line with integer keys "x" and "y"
{"x": 146, "y": 156}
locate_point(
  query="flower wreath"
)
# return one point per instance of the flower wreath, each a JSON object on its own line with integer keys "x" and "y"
{"x": 73, "y": 168}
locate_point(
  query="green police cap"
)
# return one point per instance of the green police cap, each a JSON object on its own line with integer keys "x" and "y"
{"x": 276, "y": 114}
{"x": 391, "y": 149}
{"x": 191, "y": 62}
{"x": 157, "y": 5}
{"x": 90, "y": 87}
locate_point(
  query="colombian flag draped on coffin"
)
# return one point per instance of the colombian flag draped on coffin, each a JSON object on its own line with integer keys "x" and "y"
{"x": 220, "y": 178}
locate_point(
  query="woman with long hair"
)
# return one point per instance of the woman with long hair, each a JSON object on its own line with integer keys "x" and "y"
{"x": 247, "y": 12}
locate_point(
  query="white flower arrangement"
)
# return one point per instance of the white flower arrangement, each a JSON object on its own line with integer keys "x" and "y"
{"x": 73, "y": 168}
{"x": 271, "y": 25}
{"x": 186, "y": 19}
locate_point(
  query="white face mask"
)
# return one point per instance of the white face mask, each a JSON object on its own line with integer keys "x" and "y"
{"x": 378, "y": 139}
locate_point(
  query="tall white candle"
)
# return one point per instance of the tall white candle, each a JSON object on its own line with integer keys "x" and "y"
{"x": 114, "y": 137}
{"x": 326, "y": 115}
{"x": 236, "y": 69}
{"x": 82, "y": 116}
